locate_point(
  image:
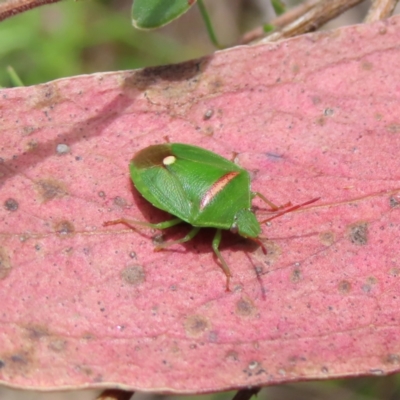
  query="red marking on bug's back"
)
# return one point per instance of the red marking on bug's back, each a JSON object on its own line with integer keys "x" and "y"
{"x": 216, "y": 188}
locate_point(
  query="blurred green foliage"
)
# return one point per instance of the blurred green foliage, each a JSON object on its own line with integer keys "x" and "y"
{"x": 71, "y": 38}
{"x": 151, "y": 14}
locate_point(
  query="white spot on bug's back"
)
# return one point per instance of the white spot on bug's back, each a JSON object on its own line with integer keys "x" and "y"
{"x": 169, "y": 160}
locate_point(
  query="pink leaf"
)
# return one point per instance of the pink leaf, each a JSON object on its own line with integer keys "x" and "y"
{"x": 84, "y": 305}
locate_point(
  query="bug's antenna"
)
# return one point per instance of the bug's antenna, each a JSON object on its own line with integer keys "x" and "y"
{"x": 290, "y": 209}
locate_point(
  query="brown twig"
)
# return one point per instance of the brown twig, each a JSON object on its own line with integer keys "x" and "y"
{"x": 323, "y": 12}
{"x": 13, "y": 7}
{"x": 279, "y": 22}
{"x": 380, "y": 9}
{"x": 310, "y": 18}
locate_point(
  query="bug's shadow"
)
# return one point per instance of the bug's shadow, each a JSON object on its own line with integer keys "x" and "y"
{"x": 201, "y": 243}
{"x": 148, "y": 212}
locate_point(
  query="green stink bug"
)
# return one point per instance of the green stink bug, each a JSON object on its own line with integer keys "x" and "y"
{"x": 201, "y": 188}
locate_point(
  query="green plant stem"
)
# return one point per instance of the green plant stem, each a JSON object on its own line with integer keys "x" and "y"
{"x": 15, "y": 79}
{"x": 208, "y": 23}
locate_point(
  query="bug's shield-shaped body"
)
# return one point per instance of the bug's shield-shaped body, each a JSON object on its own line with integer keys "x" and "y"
{"x": 196, "y": 185}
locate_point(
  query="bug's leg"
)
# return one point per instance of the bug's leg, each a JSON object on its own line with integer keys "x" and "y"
{"x": 215, "y": 245}
{"x": 270, "y": 203}
{"x": 193, "y": 232}
{"x": 292, "y": 208}
{"x": 260, "y": 243}
{"x": 131, "y": 223}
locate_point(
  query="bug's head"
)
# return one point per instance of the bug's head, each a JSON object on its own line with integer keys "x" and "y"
{"x": 246, "y": 224}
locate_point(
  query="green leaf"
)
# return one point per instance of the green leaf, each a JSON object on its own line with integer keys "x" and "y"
{"x": 279, "y": 6}
{"x": 268, "y": 28}
{"x": 151, "y": 14}
{"x": 207, "y": 21}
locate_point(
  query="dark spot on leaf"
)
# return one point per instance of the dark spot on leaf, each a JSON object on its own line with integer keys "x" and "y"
{"x": 366, "y": 288}
{"x": 394, "y": 201}
{"x": 394, "y": 272}
{"x": 327, "y": 238}
{"x": 393, "y": 359}
{"x": 196, "y": 325}
{"x": 259, "y": 270}
{"x": 296, "y": 275}
{"x": 366, "y": 65}
{"x": 209, "y": 131}
{"x": 28, "y": 130}
{"x": 49, "y": 189}
{"x": 274, "y": 156}
{"x": 213, "y": 336}
{"x": 232, "y": 355}
{"x": 215, "y": 84}
{"x": 32, "y": 145}
{"x": 133, "y": 275}
{"x": 57, "y": 345}
{"x": 132, "y": 254}
{"x": 371, "y": 281}
{"x": 88, "y": 336}
{"x": 46, "y": 96}
{"x": 2, "y": 364}
{"x": 19, "y": 358}
{"x": 344, "y": 287}
{"x": 296, "y": 359}
{"x": 101, "y": 194}
{"x": 316, "y": 100}
{"x": 11, "y": 204}
{"x": 295, "y": 68}
{"x": 358, "y": 233}
{"x": 85, "y": 370}
{"x": 5, "y": 266}
{"x": 68, "y": 251}
{"x": 64, "y": 228}
{"x": 245, "y": 307}
{"x": 35, "y": 332}
{"x": 158, "y": 239}
{"x": 393, "y": 128}
{"x": 120, "y": 202}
